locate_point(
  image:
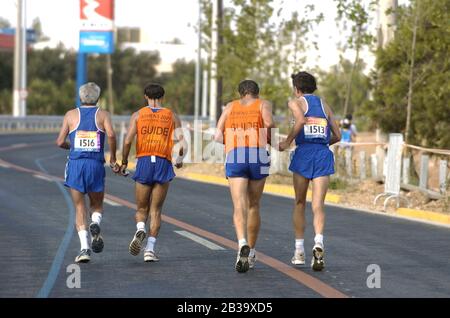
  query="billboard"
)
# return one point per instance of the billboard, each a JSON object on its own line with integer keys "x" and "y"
{"x": 96, "y": 26}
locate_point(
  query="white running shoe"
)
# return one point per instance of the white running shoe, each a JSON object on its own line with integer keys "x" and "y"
{"x": 83, "y": 257}
{"x": 136, "y": 244}
{"x": 150, "y": 256}
{"x": 252, "y": 261}
{"x": 298, "y": 258}
{"x": 317, "y": 262}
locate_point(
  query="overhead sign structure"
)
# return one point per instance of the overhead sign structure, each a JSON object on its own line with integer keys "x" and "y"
{"x": 96, "y": 26}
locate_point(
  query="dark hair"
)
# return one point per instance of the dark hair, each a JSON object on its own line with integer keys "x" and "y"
{"x": 154, "y": 91}
{"x": 304, "y": 82}
{"x": 248, "y": 87}
{"x": 349, "y": 117}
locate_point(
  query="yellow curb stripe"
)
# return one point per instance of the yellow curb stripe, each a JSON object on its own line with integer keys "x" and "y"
{"x": 424, "y": 215}
{"x": 269, "y": 188}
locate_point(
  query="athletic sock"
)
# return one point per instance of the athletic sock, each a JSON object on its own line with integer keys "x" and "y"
{"x": 150, "y": 244}
{"x": 299, "y": 245}
{"x": 252, "y": 252}
{"x": 96, "y": 217}
{"x": 83, "y": 235}
{"x": 318, "y": 239}
{"x": 242, "y": 242}
{"x": 140, "y": 226}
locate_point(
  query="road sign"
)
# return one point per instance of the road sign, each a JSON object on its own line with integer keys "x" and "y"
{"x": 96, "y": 15}
{"x": 96, "y": 26}
{"x": 96, "y": 42}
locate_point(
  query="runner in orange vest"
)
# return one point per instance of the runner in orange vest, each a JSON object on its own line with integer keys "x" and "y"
{"x": 244, "y": 128}
{"x": 155, "y": 128}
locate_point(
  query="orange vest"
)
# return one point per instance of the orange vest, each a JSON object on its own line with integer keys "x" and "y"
{"x": 244, "y": 126}
{"x": 154, "y": 133}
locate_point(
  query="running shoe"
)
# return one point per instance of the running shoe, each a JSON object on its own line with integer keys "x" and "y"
{"x": 317, "y": 263}
{"x": 136, "y": 243}
{"x": 150, "y": 256}
{"x": 97, "y": 240}
{"x": 252, "y": 261}
{"x": 83, "y": 257}
{"x": 242, "y": 264}
{"x": 298, "y": 258}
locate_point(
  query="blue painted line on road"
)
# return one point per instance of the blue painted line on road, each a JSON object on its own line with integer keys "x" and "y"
{"x": 59, "y": 257}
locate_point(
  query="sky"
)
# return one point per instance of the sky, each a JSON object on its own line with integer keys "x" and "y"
{"x": 164, "y": 20}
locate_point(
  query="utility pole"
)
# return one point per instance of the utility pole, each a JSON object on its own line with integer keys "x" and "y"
{"x": 109, "y": 72}
{"x": 220, "y": 41}
{"x": 205, "y": 94}
{"x": 213, "y": 73}
{"x": 198, "y": 63}
{"x": 411, "y": 72}
{"x": 20, "y": 63}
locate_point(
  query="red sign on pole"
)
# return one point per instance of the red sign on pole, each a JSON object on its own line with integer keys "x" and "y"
{"x": 96, "y": 15}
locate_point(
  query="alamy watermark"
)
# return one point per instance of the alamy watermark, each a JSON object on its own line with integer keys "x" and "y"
{"x": 74, "y": 278}
{"x": 374, "y": 279}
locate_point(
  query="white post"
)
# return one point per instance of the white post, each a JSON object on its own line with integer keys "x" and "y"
{"x": 374, "y": 167}
{"x": 423, "y": 177}
{"x": 123, "y": 132}
{"x": 20, "y": 62}
{"x": 362, "y": 165}
{"x": 443, "y": 176}
{"x": 348, "y": 161}
{"x": 198, "y": 63}
{"x": 197, "y": 141}
{"x": 406, "y": 163}
{"x": 213, "y": 80}
{"x": 205, "y": 94}
{"x": 393, "y": 164}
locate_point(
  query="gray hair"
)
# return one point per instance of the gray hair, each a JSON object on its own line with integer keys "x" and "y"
{"x": 89, "y": 93}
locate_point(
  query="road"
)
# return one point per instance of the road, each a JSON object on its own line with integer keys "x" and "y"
{"x": 38, "y": 242}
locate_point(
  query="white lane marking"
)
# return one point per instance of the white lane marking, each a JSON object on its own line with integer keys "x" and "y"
{"x": 43, "y": 177}
{"x": 108, "y": 201}
{"x": 200, "y": 240}
{"x": 19, "y": 145}
{"x": 4, "y": 165}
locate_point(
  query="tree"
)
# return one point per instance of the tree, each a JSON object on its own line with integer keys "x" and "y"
{"x": 333, "y": 88}
{"x": 37, "y": 27}
{"x": 180, "y": 87}
{"x": 354, "y": 12}
{"x": 257, "y": 46}
{"x": 430, "y": 111}
{"x": 4, "y": 23}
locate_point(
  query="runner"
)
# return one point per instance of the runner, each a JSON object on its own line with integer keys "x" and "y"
{"x": 86, "y": 127}
{"x": 246, "y": 125}
{"x": 315, "y": 129}
{"x": 155, "y": 127}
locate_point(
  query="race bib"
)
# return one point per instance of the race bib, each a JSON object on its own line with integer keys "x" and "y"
{"x": 88, "y": 141}
{"x": 315, "y": 128}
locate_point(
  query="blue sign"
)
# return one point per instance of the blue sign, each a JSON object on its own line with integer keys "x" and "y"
{"x": 97, "y": 42}
{"x": 31, "y": 34}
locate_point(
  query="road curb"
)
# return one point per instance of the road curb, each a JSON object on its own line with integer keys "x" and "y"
{"x": 288, "y": 191}
{"x": 269, "y": 188}
{"x": 424, "y": 215}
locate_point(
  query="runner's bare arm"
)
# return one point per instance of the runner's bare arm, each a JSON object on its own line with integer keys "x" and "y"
{"x": 109, "y": 130}
{"x": 266, "y": 113}
{"x": 297, "y": 112}
{"x": 221, "y": 124}
{"x": 180, "y": 138}
{"x": 61, "y": 140}
{"x": 128, "y": 141}
{"x": 336, "y": 132}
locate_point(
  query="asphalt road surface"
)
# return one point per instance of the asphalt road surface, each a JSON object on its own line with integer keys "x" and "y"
{"x": 196, "y": 245}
